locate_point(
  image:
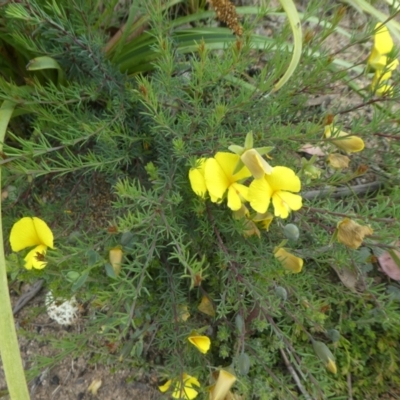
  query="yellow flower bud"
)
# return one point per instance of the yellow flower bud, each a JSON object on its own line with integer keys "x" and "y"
{"x": 202, "y": 343}
{"x": 344, "y": 141}
{"x": 115, "y": 257}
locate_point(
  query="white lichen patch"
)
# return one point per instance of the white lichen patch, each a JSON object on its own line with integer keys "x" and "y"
{"x": 64, "y": 312}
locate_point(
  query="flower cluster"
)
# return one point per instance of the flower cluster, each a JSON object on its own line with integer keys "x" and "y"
{"x": 379, "y": 61}
{"x": 225, "y": 175}
{"x": 186, "y": 386}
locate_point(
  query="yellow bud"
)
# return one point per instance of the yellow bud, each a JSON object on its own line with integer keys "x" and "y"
{"x": 344, "y": 141}
{"x": 202, "y": 343}
{"x": 325, "y": 355}
{"x": 331, "y": 366}
{"x": 115, "y": 257}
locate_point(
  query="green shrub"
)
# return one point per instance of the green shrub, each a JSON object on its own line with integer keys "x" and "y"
{"x": 103, "y": 154}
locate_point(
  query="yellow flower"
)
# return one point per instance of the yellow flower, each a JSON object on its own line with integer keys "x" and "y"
{"x": 28, "y": 232}
{"x": 255, "y": 163}
{"x": 345, "y": 141}
{"x": 352, "y": 234}
{"x": 219, "y": 178}
{"x": 225, "y": 381}
{"x": 202, "y": 343}
{"x": 276, "y": 186}
{"x": 383, "y": 44}
{"x": 288, "y": 260}
{"x": 196, "y": 177}
{"x": 182, "y": 387}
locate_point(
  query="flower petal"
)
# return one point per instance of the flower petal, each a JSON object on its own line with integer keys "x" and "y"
{"x": 255, "y": 163}
{"x": 34, "y": 258}
{"x": 224, "y": 382}
{"x": 288, "y": 260}
{"x": 206, "y": 306}
{"x": 196, "y": 177}
{"x": 44, "y": 232}
{"x": 352, "y": 234}
{"x": 283, "y": 178}
{"x": 216, "y": 180}
{"x": 284, "y": 202}
{"x": 228, "y": 162}
{"x": 236, "y": 193}
{"x": 259, "y": 195}
{"x": 338, "y": 161}
{"x": 165, "y": 387}
{"x": 383, "y": 42}
{"x": 186, "y": 390}
{"x": 23, "y": 234}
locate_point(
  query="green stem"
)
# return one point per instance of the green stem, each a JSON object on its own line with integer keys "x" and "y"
{"x": 9, "y": 349}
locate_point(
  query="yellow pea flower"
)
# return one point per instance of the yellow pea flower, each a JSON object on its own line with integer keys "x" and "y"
{"x": 276, "y": 187}
{"x": 344, "y": 141}
{"x": 182, "y": 387}
{"x": 28, "y": 232}
{"x": 352, "y": 234}
{"x": 288, "y": 260}
{"x": 219, "y": 178}
{"x": 202, "y": 343}
{"x": 225, "y": 381}
{"x": 383, "y": 44}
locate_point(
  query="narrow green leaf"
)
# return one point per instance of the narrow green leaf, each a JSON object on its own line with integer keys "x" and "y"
{"x": 295, "y": 24}
{"x": 45, "y": 62}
